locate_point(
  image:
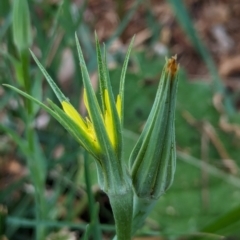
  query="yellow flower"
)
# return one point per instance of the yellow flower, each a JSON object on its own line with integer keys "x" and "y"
{"x": 86, "y": 124}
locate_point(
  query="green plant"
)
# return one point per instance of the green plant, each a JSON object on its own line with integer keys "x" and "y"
{"x": 132, "y": 192}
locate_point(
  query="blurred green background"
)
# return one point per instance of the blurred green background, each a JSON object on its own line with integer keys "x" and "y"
{"x": 43, "y": 190}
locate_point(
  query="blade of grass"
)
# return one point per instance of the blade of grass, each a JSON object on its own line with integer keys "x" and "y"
{"x": 153, "y": 24}
{"x": 26, "y": 223}
{"x": 209, "y": 168}
{"x": 84, "y": 35}
{"x": 187, "y": 25}
{"x": 19, "y": 210}
{"x": 22, "y": 38}
{"x": 87, "y": 233}
{"x": 224, "y": 221}
{"x": 122, "y": 78}
{"x": 124, "y": 22}
{"x": 53, "y": 85}
{"x": 19, "y": 141}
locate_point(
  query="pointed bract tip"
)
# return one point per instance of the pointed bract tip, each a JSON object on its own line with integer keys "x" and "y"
{"x": 172, "y": 65}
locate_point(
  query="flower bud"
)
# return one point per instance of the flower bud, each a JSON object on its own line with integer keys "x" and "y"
{"x": 153, "y": 158}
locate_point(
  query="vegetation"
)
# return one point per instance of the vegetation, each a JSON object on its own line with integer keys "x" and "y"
{"x": 49, "y": 186}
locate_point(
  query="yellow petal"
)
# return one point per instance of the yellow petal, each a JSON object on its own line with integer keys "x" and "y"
{"x": 85, "y": 126}
{"x": 119, "y": 106}
{"x": 85, "y": 99}
{"x": 74, "y": 115}
{"x": 108, "y": 118}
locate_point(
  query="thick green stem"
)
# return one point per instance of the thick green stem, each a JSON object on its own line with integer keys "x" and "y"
{"x": 122, "y": 207}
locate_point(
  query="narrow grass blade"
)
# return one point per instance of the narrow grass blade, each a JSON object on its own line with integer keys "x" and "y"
{"x": 53, "y": 85}
{"x": 26, "y": 223}
{"x": 87, "y": 232}
{"x": 125, "y": 21}
{"x": 101, "y": 72}
{"x": 23, "y": 145}
{"x": 186, "y": 22}
{"x": 230, "y": 179}
{"x": 231, "y": 217}
{"x": 45, "y": 107}
{"x": 61, "y": 117}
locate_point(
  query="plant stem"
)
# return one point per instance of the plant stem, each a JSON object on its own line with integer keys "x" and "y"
{"x": 38, "y": 178}
{"x": 96, "y": 232}
{"x": 122, "y": 206}
{"x": 25, "y": 74}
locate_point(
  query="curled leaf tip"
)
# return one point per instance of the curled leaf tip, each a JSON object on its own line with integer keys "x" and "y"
{"x": 172, "y": 65}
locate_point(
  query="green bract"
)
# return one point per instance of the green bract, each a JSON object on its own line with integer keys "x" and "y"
{"x": 153, "y": 159}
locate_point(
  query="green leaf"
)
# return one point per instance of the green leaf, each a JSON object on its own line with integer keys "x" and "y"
{"x": 45, "y": 107}
{"x": 63, "y": 119}
{"x": 26, "y": 223}
{"x": 36, "y": 91}
{"x": 123, "y": 76}
{"x": 226, "y": 220}
{"x": 101, "y": 72}
{"x": 23, "y": 145}
{"x": 53, "y": 85}
{"x": 21, "y": 25}
{"x": 86, "y": 232}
